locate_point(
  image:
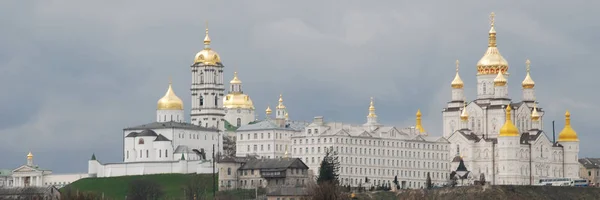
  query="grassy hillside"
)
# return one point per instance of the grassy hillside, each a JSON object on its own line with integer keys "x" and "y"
{"x": 116, "y": 187}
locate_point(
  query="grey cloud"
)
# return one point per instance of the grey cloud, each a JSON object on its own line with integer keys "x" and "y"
{"x": 81, "y": 71}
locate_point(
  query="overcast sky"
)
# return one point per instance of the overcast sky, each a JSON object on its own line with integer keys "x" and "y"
{"x": 75, "y": 73}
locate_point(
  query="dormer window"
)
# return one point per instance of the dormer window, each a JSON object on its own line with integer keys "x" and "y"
{"x": 316, "y": 131}
{"x": 309, "y": 130}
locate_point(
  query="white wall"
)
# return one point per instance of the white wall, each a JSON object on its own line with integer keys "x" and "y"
{"x": 144, "y": 168}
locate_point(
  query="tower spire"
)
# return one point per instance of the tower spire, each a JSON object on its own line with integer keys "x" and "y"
{"x": 206, "y": 38}
{"x": 492, "y": 39}
{"x": 418, "y": 125}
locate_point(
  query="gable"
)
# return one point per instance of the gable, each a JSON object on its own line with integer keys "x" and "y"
{"x": 365, "y": 134}
{"x": 25, "y": 168}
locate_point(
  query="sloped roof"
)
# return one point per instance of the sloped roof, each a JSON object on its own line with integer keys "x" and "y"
{"x": 275, "y": 163}
{"x": 590, "y": 163}
{"x": 270, "y": 124}
{"x": 183, "y": 149}
{"x": 163, "y": 125}
{"x": 146, "y": 132}
{"x": 161, "y": 138}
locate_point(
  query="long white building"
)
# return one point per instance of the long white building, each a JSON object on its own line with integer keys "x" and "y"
{"x": 502, "y": 139}
{"x": 32, "y": 175}
{"x": 375, "y": 153}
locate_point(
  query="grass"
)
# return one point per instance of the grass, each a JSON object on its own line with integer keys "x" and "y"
{"x": 116, "y": 187}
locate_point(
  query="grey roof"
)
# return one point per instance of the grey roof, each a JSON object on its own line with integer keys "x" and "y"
{"x": 274, "y": 163}
{"x": 590, "y": 163}
{"x": 5, "y": 172}
{"x": 270, "y": 124}
{"x": 526, "y": 137}
{"x": 183, "y": 149}
{"x": 162, "y": 125}
{"x": 161, "y": 138}
{"x": 288, "y": 191}
{"x": 234, "y": 159}
{"x": 132, "y": 134}
{"x": 147, "y": 132}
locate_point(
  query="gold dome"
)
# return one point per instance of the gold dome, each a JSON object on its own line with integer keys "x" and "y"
{"x": 492, "y": 61}
{"x": 207, "y": 56}
{"x": 500, "y": 80}
{"x": 418, "y": 125}
{"x": 170, "y": 101}
{"x": 372, "y": 109}
{"x": 568, "y": 134}
{"x": 457, "y": 83}
{"x": 508, "y": 129}
{"x": 268, "y": 110}
{"x": 528, "y": 82}
{"x": 29, "y": 156}
{"x": 534, "y": 114}
{"x": 235, "y": 79}
{"x": 464, "y": 116}
{"x": 238, "y": 100}
{"x": 280, "y": 106}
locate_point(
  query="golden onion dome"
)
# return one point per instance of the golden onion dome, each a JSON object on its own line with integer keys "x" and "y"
{"x": 238, "y": 100}
{"x": 508, "y": 129}
{"x": 170, "y": 101}
{"x": 235, "y": 79}
{"x": 534, "y": 114}
{"x": 207, "y": 56}
{"x": 528, "y": 83}
{"x": 500, "y": 80}
{"x": 457, "y": 83}
{"x": 464, "y": 116}
{"x": 492, "y": 61}
{"x": 268, "y": 110}
{"x": 372, "y": 109}
{"x": 29, "y": 156}
{"x": 568, "y": 134}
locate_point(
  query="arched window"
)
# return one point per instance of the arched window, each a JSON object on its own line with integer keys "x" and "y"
{"x": 483, "y": 87}
{"x": 216, "y": 100}
{"x": 201, "y": 100}
{"x": 147, "y": 152}
{"x": 201, "y": 77}
{"x": 159, "y": 153}
{"x": 141, "y": 141}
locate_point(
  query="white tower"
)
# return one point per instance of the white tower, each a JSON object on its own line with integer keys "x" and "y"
{"x": 488, "y": 66}
{"x": 207, "y": 88}
{"x": 452, "y": 111}
{"x": 508, "y": 146}
{"x": 239, "y": 109}
{"x": 170, "y": 107}
{"x": 500, "y": 90}
{"x": 280, "y": 112}
{"x": 570, "y": 142}
{"x": 528, "y": 86}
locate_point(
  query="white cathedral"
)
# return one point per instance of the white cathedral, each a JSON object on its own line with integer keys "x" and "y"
{"x": 502, "y": 139}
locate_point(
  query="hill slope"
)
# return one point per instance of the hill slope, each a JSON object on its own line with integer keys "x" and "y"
{"x": 116, "y": 187}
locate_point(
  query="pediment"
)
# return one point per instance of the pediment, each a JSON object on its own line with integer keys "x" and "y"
{"x": 25, "y": 168}
{"x": 342, "y": 132}
{"x": 365, "y": 134}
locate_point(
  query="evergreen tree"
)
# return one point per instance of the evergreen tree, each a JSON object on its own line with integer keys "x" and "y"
{"x": 397, "y": 185}
{"x": 428, "y": 183}
{"x": 330, "y": 166}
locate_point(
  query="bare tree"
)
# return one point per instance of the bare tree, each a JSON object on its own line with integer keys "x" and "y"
{"x": 142, "y": 189}
{"x": 326, "y": 191}
{"x": 195, "y": 187}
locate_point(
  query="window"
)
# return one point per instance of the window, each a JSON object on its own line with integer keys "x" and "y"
{"x": 228, "y": 171}
{"x": 141, "y": 141}
{"x": 216, "y": 100}
{"x": 239, "y": 122}
{"x": 147, "y": 153}
{"x": 159, "y": 153}
{"x": 166, "y": 155}
{"x": 201, "y": 100}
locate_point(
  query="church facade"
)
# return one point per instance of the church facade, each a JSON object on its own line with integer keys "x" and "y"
{"x": 499, "y": 138}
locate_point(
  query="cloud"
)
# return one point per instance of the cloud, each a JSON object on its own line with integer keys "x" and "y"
{"x": 76, "y": 73}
